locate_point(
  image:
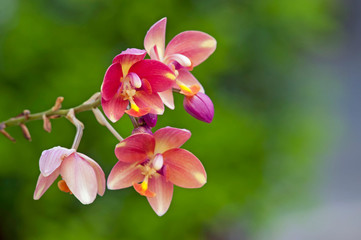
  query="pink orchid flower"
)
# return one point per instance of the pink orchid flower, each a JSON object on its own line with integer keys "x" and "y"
{"x": 153, "y": 163}
{"x": 185, "y": 51}
{"x": 132, "y": 80}
{"x": 81, "y": 175}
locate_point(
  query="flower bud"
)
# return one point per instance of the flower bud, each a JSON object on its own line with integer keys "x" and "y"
{"x": 199, "y": 106}
{"x": 142, "y": 129}
{"x": 150, "y": 119}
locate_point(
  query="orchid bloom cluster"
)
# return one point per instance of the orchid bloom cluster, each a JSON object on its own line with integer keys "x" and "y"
{"x": 150, "y": 162}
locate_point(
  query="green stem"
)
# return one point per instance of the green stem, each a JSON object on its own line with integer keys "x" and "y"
{"x": 87, "y": 106}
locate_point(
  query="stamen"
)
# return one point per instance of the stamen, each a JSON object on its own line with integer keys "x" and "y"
{"x": 134, "y": 80}
{"x": 158, "y": 162}
{"x": 180, "y": 59}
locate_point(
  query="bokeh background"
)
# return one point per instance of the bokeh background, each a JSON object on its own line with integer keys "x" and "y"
{"x": 282, "y": 154}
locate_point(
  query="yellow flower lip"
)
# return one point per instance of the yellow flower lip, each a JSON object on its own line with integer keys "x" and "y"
{"x": 134, "y": 106}
{"x": 185, "y": 88}
{"x": 189, "y": 91}
{"x": 171, "y": 76}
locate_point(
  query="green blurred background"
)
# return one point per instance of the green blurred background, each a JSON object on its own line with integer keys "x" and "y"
{"x": 262, "y": 153}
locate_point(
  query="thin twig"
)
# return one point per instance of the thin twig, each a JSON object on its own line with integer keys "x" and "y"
{"x": 134, "y": 121}
{"x": 79, "y": 128}
{"x": 103, "y": 121}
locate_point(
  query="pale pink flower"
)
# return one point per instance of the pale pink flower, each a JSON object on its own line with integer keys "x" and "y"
{"x": 152, "y": 164}
{"x": 185, "y": 51}
{"x": 81, "y": 175}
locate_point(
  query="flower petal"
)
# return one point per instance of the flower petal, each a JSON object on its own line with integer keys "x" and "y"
{"x": 200, "y": 106}
{"x": 164, "y": 193}
{"x": 159, "y": 75}
{"x": 111, "y": 82}
{"x": 80, "y": 178}
{"x": 153, "y": 101}
{"x": 44, "y": 183}
{"x": 155, "y": 39}
{"x": 135, "y": 148}
{"x": 195, "y": 45}
{"x": 167, "y": 98}
{"x": 114, "y": 108}
{"x": 98, "y": 172}
{"x": 169, "y": 137}
{"x": 51, "y": 159}
{"x": 138, "y": 113}
{"x": 128, "y": 57}
{"x": 184, "y": 169}
{"x": 123, "y": 175}
{"x": 188, "y": 79}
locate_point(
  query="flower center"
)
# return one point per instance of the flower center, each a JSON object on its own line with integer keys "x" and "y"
{"x": 149, "y": 170}
{"x": 129, "y": 88}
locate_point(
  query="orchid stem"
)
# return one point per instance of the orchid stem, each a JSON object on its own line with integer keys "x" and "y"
{"x": 103, "y": 121}
{"x": 134, "y": 121}
{"x": 93, "y": 102}
{"x": 79, "y": 128}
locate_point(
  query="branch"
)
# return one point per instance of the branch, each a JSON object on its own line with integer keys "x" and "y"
{"x": 103, "y": 121}
{"x": 93, "y": 102}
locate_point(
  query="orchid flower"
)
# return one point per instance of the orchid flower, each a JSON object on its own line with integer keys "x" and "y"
{"x": 81, "y": 175}
{"x": 132, "y": 80}
{"x": 185, "y": 51}
{"x": 152, "y": 164}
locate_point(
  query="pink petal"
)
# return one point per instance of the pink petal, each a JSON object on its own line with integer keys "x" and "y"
{"x": 168, "y": 138}
{"x": 111, "y": 81}
{"x": 135, "y": 148}
{"x": 153, "y": 101}
{"x": 138, "y": 113}
{"x": 200, "y": 106}
{"x": 184, "y": 169}
{"x": 188, "y": 79}
{"x": 98, "y": 172}
{"x": 123, "y": 175}
{"x": 80, "y": 178}
{"x": 167, "y": 98}
{"x": 44, "y": 183}
{"x": 146, "y": 86}
{"x": 164, "y": 193}
{"x": 156, "y": 38}
{"x": 51, "y": 159}
{"x": 195, "y": 45}
{"x": 128, "y": 57}
{"x": 114, "y": 108}
{"x": 159, "y": 75}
